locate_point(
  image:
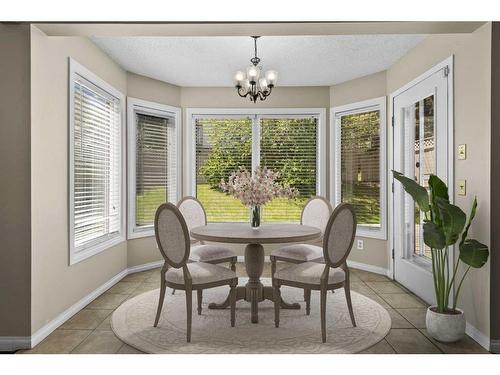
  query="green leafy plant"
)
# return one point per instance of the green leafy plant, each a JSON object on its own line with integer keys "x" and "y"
{"x": 444, "y": 225}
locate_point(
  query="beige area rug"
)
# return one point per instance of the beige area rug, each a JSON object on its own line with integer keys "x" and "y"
{"x": 133, "y": 321}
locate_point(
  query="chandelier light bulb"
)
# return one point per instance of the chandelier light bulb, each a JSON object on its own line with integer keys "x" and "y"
{"x": 253, "y": 73}
{"x": 271, "y": 77}
{"x": 239, "y": 77}
{"x": 263, "y": 84}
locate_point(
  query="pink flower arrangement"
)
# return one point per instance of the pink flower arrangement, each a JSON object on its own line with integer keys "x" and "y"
{"x": 256, "y": 190}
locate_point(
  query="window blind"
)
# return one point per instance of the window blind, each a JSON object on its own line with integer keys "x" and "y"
{"x": 289, "y": 146}
{"x": 360, "y": 165}
{"x": 156, "y": 166}
{"x": 222, "y": 146}
{"x": 97, "y": 164}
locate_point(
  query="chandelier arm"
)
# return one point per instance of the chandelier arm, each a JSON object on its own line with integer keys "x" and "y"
{"x": 238, "y": 89}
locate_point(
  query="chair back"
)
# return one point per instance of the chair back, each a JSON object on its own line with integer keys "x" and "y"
{"x": 339, "y": 235}
{"x": 172, "y": 235}
{"x": 193, "y": 212}
{"x": 316, "y": 213}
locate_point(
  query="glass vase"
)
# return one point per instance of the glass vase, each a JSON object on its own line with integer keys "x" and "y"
{"x": 255, "y": 215}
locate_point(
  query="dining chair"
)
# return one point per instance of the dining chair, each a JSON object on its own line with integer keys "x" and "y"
{"x": 315, "y": 213}
{"x": 172, "y": 237}
{"x": 332, "y": 274}
{"x": 193, "y": 212}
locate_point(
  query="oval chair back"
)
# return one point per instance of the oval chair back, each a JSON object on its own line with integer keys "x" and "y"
{"x": 193, "y": 212}
{"x": 339, "y": 235}
{"x": 172, "y": 235}
{"x": 316, "y": 213}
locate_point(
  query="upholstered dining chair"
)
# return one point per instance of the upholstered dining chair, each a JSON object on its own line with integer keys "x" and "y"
{"x": 193, "y": 212}
{"x": 172, "y": 237}
{"x": 315, "y": 213}
{"x": 332, "y": 274}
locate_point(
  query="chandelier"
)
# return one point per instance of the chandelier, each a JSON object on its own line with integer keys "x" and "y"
{"x": 250, "y": 85}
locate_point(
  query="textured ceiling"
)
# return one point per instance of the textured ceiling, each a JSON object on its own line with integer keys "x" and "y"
{"x": 299, "y": 60}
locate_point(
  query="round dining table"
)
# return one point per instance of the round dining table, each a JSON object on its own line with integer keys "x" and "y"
{"x": 242, "y": 233}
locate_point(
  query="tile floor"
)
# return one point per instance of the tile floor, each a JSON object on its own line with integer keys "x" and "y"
{"x": 89, "y": 331}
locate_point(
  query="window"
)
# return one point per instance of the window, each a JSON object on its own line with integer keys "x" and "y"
{"x": 153, "y": 156}
{"x": 287, "y": 141}
{"x": 96, "y": 164}
{"x": 359, "y": 159}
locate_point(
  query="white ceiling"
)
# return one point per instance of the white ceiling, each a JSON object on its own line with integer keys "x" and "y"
{"x": 299, "y": 60}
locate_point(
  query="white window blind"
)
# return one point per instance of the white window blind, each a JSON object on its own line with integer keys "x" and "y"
{"x": 97, "y": 165}
{"x": 360, "y": 175}
{"x": 222, "y": 145}
{"x": 289, "y": 145}
{"x": 155, "y": 167}
{"x": 284, "y": 143}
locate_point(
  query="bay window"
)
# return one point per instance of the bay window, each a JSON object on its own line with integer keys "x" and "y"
{"x": 285, "y": 140}
{"x": 359, "y": 159}
{"x": 153, "y": 162}
{"x": 96, "y": 135}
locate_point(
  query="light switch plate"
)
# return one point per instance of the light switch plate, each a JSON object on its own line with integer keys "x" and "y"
{"x": 462, "y": 152}
{"x": 462, "y": 187}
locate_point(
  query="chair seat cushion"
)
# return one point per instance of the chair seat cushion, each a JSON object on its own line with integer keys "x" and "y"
{"x": 209, "y": 253}
{"x": 201, "y": 273}
{"x": 309, "y": 273}
{"x": 299, "y": 252}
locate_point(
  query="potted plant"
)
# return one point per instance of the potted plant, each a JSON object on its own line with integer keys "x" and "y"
{"x": 257, "y": 190}
{"x": 444, "y": 225}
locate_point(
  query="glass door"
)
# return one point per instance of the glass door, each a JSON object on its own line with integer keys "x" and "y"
{"x": 421, "y": 140}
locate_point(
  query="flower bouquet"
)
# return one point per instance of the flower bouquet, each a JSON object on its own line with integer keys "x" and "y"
{"x": 257, "y": 190}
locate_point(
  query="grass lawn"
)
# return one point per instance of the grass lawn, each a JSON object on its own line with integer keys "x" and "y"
{"x": 222, "y": 207}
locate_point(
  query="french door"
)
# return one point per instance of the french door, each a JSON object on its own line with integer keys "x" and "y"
{"x": 422, "y": 145}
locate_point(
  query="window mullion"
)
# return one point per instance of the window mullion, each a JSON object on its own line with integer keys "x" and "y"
{"x": 255, "y": 142}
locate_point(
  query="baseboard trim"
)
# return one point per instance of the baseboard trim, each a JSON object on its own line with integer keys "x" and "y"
{"x": 13, "y": 343}
{"x": 145, "y": 267}
{"x": 479, "y": 337}
{"x": 350, "y": 263}
{"x": 369, "y": 268}
{"x": 50, "y": 327}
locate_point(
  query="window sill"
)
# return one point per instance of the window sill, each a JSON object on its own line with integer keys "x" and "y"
{"x": 78, "y": 256}
{"x": 366, "y": 232}
{"x": 140, "y": 233}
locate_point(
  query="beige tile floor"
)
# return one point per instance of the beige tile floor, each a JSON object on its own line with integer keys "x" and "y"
{"x": 89, "y": 331}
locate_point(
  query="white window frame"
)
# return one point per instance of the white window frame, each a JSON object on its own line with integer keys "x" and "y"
{"x": 77, "y": 255}
{"x": 335, "y": 162}
{"x": 193, "y": 113}
{"x": 153, "y": 109}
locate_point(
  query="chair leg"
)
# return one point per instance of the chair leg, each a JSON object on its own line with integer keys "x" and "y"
{"x": 307, "y": 298}
{"x": 347, "y": 290}
{"x": 277, "y": 303}
{"x": 273, "y": 267}
{"x": 233, "y": 304}
{"x": 233, "y": 264}
{"x": 323, "y": 314}
{"x": 200, "y": 299}
{"x": 163, "y": 288}
{"x": 189, "y": 312}
{"x": 173, "y": 291}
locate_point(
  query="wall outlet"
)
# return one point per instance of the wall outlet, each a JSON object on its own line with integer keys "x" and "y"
{"x": 462, "y": 152}
{"x": 360, "y": 244}
{"x": 462, "y": 187}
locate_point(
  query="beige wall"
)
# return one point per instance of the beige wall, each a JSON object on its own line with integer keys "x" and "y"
{"x": 472, "y": 91}
{"x": 56, "y": 285}
{"x": 375, "y": 252}
{"x": 15, "y": 201}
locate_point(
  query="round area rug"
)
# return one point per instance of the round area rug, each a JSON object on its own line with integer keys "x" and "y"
{"x": 211, "y": 332}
